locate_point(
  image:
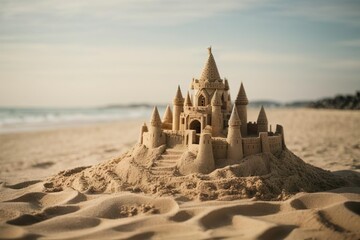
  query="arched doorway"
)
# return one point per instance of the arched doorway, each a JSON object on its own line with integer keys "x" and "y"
{"x": 202, "y": 100}
{"x": 195, "y": 125}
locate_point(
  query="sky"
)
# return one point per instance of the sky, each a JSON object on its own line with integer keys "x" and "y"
{"x": 88, "y": 53}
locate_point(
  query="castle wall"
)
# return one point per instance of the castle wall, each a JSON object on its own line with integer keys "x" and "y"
{"x": 219, "y": 148}
{"x": 173, "y": 138}
{"x": 251, "y": 146}
{"x": 275, "y": 144}
{"x": 280, "y": 130}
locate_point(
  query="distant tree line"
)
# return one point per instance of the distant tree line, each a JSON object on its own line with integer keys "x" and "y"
{"x": 339, "y": 102}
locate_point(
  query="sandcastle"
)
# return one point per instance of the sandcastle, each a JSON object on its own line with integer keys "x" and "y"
{"x": 207, "y": 124}
{"x": 204, "y": 149}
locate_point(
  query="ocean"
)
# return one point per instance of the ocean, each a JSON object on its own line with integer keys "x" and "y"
{"x": 28, "y": 119}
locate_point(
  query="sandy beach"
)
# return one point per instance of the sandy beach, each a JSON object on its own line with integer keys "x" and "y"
{"x": 328, "y": 139}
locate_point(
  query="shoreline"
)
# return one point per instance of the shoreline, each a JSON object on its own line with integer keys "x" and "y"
{"x": 31, "y": 128}
{"x": 53, "y": 125}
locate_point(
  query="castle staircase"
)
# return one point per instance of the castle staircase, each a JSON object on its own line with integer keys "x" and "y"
{"x": 166, "y": 163}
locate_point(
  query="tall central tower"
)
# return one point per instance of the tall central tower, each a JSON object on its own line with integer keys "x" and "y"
{"x": 207, "y": 104}
{"x": 209, "y": 81}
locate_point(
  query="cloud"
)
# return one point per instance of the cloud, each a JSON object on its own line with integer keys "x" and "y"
{"x": 341, "y": 11}
{"x": 170, "y": 12}
{"x": 256, "y": 57}
{"x": 140, "y": 12}
{"x": 286, "y": 60}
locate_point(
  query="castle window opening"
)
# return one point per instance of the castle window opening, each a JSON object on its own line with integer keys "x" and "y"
{"x": 202, "y": 101}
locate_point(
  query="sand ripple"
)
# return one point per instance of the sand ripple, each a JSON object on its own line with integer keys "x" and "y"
{"x": 70, "y": 214}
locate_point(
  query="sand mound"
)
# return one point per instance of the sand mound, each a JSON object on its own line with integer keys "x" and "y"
{"x": 263, "y": 176}
{"x": 77, "y": 203}
{"x": 28, "y": 210}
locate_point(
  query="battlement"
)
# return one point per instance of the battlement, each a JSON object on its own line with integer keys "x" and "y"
{"x": 198, "y": 109}
{"x": 198, "y": 84}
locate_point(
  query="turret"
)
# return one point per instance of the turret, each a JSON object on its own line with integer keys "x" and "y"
{"x": 226, "y": 104}
{"x": 144, "y": 129}
{"x": 167, "y": 119}
{"x": 167, "y": 115}
{"x": 226, "y": 85}
{"x": 155, "y": 133}
{"x": 241, "y": 103}
{"x": 216, "y": 115}
{"x": 188, "y": 102}
{"x": 234, "y": 139}
{"x": 204, "y": 161}
{"x": 177, "y": 108}
{"x": 262, "y": 121}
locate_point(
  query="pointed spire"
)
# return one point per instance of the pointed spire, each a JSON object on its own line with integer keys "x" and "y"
{"x": 234, "y": 118}
{"x": 241, "y": 98}
{"x": 216, "y": 99}
{"x": 226, "y": 84}
{"x": 188, "y": 100}
{"x": 167, "y": 115}
{"x": 178, "y": 93}
{"x": 210, "y": 72}
{"x": 155, "y": 120}
{"x": 262, "y": 119}
{"x": 178, "y": 100}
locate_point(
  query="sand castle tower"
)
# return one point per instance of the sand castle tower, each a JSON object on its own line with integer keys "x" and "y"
{"x": 178, "y": 103}
{"x": 144, "y": 129}
{"x": 210, "y": 72}
{"x": 155, "y": 131}
{"x": 241, "y": 103}
{"x": 167, "y": 118}
{"x": 234, "y": 139}
{"x": 216, "y": 115}
{"x": 167, "y": 115}
{"x": 262, "y": 121}
{"x": 204, "y": 161}
{"x": 208, "y": 82}
{"x": 187, "y": 102}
